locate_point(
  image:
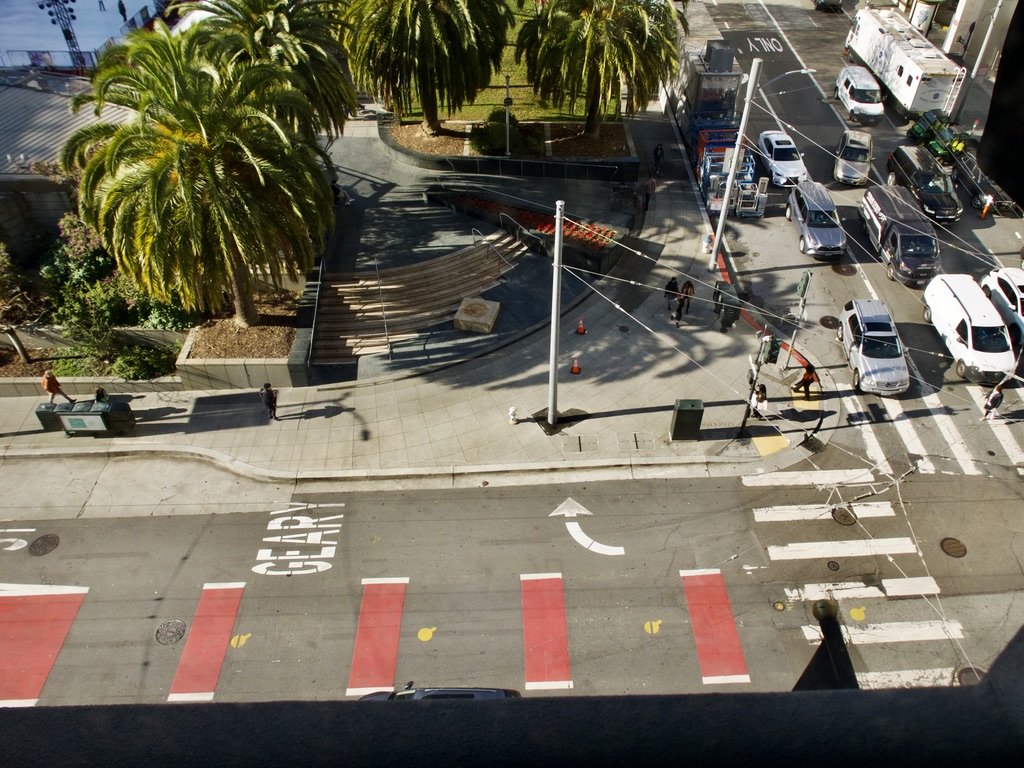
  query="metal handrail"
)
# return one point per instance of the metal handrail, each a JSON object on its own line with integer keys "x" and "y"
{"x": 316, "y": 309}
{"x": 490, "y": 245}
{"x": 383, "y": 311}
{"x": 521, "y": 230}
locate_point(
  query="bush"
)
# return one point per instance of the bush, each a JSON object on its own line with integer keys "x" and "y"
{"x": 489, "y": 138}
{"x": 144, "y": 363}
{"x": 79, "y": 361}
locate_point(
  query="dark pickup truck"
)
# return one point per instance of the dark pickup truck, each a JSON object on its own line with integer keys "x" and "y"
{"x": 980, "y": 187}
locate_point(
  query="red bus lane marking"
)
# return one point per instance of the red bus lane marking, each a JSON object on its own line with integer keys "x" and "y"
{"x": 545, "y": 636}
{"x": 375, "y": 655}
{"x": 34, "y": 623}
{"x": 714, "y": 628}
{"x": 203, "y": 655}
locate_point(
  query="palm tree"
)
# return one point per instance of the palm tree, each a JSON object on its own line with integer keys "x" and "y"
{"x": 586, "y": 49}
{"x": 442, "y": 52}
{"x": 202, "y": 192}
{"x": 302, "y": 36}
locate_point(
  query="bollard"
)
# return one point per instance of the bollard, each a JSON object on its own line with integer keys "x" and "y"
{"x": 512, "y": 416}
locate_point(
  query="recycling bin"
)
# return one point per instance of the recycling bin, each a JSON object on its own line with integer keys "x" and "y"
{"x": 686, "y": 418}
{"x": 47, "y": 415}
{"x": 727, "y": 303}
{"x": 99, "y": 418}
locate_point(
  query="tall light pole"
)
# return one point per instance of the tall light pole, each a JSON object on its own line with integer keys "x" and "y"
{"x": 508, "y": 106}
{"x": 556, "y": 304}
{"x": 62, "y": 14}
{"x": 755, "y": 72}
{"x": 977, "y": 63}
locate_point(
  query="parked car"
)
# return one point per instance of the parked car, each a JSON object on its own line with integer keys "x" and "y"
{"x": 873, "y": 349}
{"x": 857, "y": 90}
{"x": 415, "y": 694}
{"x": 1005, "y": 289}
{"x": 828, "y": 5}
{"x": 974, "y": 334}
{"x": 781, "y": 158}
{"x": 979, "y": 187}
{"x": 813, "y": 213}
{"x": 853, "y": 158}
{"x": 902, "y": 235}
{"x": 916, "y": 169}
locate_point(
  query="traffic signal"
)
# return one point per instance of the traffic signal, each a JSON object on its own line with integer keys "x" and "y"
{"x": 774, "y": 347}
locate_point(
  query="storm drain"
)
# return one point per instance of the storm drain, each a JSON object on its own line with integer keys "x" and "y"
{"x": 953, "y": 547}
{"x": 579, "y": 443}
{"x": 829, "y": 321}
{"x": 44, "y": 545}
{"x": 969, "y": 676}
{"x": 170, "y": 632}
{"x": 636, "y": 441}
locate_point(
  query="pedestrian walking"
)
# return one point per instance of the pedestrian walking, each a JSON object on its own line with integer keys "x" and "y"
{"x": 659, "y": 154}
{"x": 649, "y": 187}
{"x": 122, "y": 10}
{"x": 269, "y": 397}
{"x": 759, "y": 402}
{"x": 103, "y": 6}
{"x": 52, "y": 387}
{"x": 993, "y": 401}
{"x": 810, "y": 376}
{"x": 684, "y": 300}
{"x": 671, "y": 293}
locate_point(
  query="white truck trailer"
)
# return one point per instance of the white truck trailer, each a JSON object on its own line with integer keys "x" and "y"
{"x": 916, "y": 75}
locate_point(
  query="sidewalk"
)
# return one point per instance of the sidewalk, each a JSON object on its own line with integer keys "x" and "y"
{"x": 451, "y": 427}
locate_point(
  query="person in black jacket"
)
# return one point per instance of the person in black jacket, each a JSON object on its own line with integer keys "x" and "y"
{"x": 269, "y": 397}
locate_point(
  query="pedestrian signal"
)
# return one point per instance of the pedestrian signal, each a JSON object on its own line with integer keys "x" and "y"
{"x": 774, "y": 347}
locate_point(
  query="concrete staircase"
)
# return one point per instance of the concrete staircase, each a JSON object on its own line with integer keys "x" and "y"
{"x": 362, "y": 313}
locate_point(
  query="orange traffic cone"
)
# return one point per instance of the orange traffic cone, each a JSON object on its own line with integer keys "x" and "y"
{"x": 984, "y": 209}
{"x": 580, "y": 329}
{"x": 575, "y": 370}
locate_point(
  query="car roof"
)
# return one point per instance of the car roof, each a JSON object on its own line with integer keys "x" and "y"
{"x": 817, "y": 195}
{"x": 861, "y": 76}
{"x": 1014, "y": 274}
{"x": 777, "y": 137}
{"x": 860, "y": 138}
{"x": 873, "y": 312}
{"x": 919, "y": 156}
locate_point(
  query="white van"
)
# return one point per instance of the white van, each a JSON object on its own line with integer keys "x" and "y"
{"x": 858, "y": 92}
{"x": 974, "y": 333}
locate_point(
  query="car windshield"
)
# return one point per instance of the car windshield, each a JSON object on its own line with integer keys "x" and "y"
{"x": 990, "y": 338}
{"x": 936, "y": 183}
{"x": 786, "y": 154}
{"x": 854, "y": 154}
{"x": 822, "y": 219}
{"x": 882, "y": 347}
{"x": 918, "y": 245}
{"x": 867, "y": 95}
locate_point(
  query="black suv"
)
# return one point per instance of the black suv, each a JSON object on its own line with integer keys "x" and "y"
{"x": 916, "y": 169}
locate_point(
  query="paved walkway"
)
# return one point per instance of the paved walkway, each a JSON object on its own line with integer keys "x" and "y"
{"x": 452, "y": 426}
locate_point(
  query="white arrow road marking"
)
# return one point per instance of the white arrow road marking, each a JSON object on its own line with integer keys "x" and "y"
{"x": 570, "y": 508}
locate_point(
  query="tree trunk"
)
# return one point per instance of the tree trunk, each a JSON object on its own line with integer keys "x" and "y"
{"x": 241, "y": 288}
{"x": 16, "y": 343}
{"x": 592, "y": 128}
{"x": 428, "y": 101}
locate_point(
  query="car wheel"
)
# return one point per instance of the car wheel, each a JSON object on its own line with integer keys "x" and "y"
{"x": 987, "y": 291}
{"x": 977, "y": 203}
{"x": 890, "y": 272}
{"x": 802, "y": 246}
{"x": 789, "y": 213}
{"x": 961, "y": 369}
{"x": 927, "y": 313}
{"x": 856, "y": 379}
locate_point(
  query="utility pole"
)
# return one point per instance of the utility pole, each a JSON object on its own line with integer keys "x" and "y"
{"x": 767, "y": 352}
{"x": 508, "y": 106}
{"x": 801, "y": 291}
{"x": 977, "y": 63}
{"x": 556, "y": 306}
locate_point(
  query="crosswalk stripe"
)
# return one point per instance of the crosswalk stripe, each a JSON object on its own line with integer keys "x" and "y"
{"x": 807, "y": 550}
{"x": 872, "y": 447}
{"x": 1002, "y": 432}
{"x": 906, "y": 678}
{"x": 825, "y": 477}
{"x": 954, "y": 440}
{"x": 901, "y": 422}
{"x": 893, "y": 632}
{"x": 858, "y": 590}
{"x": 786, "y": 513}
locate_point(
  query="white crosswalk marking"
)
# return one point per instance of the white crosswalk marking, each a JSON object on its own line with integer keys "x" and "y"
{"x": 786, "y": 513}
{"x": 807, "y": 550}
{"x": 893, "y": 632}
{"x": 908, "y": 434}
{"x": 858, "y": 590}
{"x": 906, "y": 678}
{"x": 872, "y": 447}
{"x": 1001, "y": 429}
{"x": 954, "y": 440}
{"x": 822, "y": 478}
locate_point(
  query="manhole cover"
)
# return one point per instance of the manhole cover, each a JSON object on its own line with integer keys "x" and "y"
{"x": 969, "y": 676}
{"x": 44, "y": 545}
{"x": 846, "y": 270}
{"x": 843, "y": 515}
{"x": 623, "y": 329}
{"x": 829, "y": 321}
{"x": 778, "y": 605}
{"x": 170, "y": 632}
{"x": 833, "y": 565}
{"x": 953, "y": 547}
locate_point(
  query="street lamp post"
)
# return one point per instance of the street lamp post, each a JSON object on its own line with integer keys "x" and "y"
{"x": 508, "y": 106}
{"x": 977, "y": 63}
{"x": 755, "y": 72}
{"x": 62, "y": 14}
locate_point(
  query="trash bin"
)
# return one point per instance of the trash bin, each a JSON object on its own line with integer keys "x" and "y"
{"x": 686, "y": 418}
{"x": 117, "y": 416}
{"x": 727, "y": 303}
{"x": 100, "y": 418}
{"x": 46, "y": 413}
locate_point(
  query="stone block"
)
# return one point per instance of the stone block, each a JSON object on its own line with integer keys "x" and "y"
{"x": 477, "y": 315}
